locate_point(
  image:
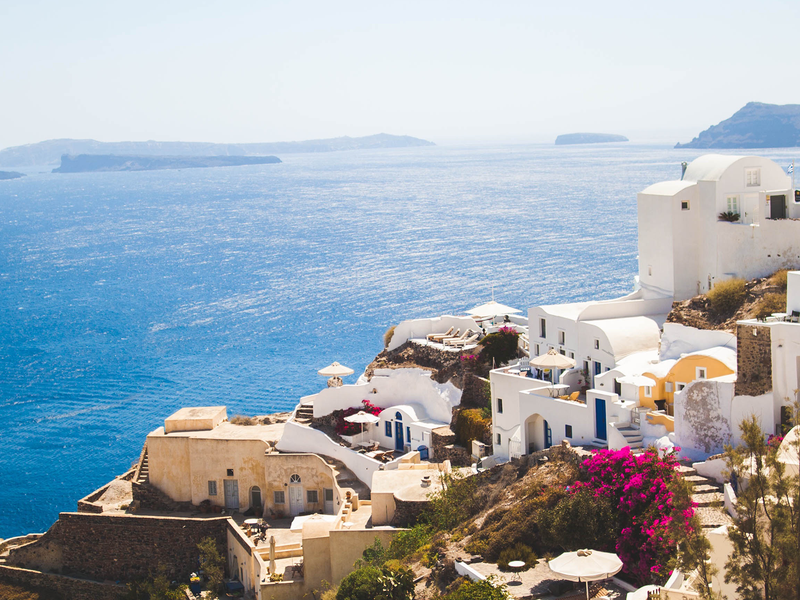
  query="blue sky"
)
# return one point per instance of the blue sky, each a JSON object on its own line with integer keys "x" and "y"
{"x": 451, "y": 72}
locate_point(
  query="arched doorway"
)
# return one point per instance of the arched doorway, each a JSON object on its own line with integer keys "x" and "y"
{"x": 255, "y": 500}
{"x": 534, "y": 434}
{"x": 296, "y": 505}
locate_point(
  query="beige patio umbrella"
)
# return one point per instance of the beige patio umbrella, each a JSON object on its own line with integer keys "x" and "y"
{"x": 552, "y": 360}
{"x": 586, "y": 566}
{"x": 362, "y": 417}
{"x": 335, "y": 372}
{"x": 272, "y": 555}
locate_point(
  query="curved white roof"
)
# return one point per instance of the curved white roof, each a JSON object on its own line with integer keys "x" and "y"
{"x": 629, "y": 334}
{"x": 413, "y": 410}
{"x": 709, "y": 167}
{"x": 667, "y": 188}
{"x": 723, "y": 354}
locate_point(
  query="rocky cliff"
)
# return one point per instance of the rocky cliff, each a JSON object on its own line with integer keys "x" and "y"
{"x": 757, "y": 125}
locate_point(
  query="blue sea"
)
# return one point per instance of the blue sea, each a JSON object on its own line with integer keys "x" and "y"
{"x": 126, "y": 296}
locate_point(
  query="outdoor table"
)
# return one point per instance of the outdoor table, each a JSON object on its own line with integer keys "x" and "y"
{"x": 516, "y": 566}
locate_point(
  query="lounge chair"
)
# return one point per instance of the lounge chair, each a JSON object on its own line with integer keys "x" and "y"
{"x": 435, "y": 337}
{"x": 463, "y": 336}
{"x": 795, "y": 316}
{"x": 442, "y": 339}
{"x": 466, "y": 342}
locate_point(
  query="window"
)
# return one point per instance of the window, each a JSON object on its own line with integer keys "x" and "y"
{"x": 388, "y": 428}
{"x": 596, "y": 344}
{"x": 279, "y": 497}
{"x": 328, "y": 494}
{"x": 572, "y": 355}
{"x": 562, "y": 336}
{"x": 752, "y": 177}
{"x": 398, "y": 416}
{"x": 212, "y": 488}
{"x": 537, "y": 350}
{"x": 312, "y": 496}
{"x": 700, "y": 373}
{"x": 684, "y": 205}
{"x": 295, "y": 479}
{"x": 498, "y": 439}
{"x": 679, "y": 386}
{"x": 408, "y": 434}
{"x": 499, "y": 405}
{"x": 733, "y": 204}
{"x": 598, "y": 368}
{"x": 230, "y": 472}
{"x": 568, "y": 431}
{"x": 562, "y": 351}
{"x": 542, "y": 328}
{"x": 648, "y": 391}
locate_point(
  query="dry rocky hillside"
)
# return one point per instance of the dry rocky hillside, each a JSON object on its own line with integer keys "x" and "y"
{"x": 760, "y": 298}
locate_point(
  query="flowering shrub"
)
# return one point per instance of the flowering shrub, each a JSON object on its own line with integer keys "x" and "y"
{"x": 345, "y": 427}
{"x": 652, "y": 512}
{"x": 500, "y": 347}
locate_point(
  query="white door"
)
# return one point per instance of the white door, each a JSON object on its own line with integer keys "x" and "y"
{"x": 328, "y": 495}
{"x": 295, "y": 499}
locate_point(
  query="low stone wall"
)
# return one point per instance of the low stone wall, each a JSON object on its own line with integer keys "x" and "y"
{"x": 119, "y": 547}
{"x": 149, "y": 497}
{"x": 407, "y": 512}
{"x": 68, "y": 588}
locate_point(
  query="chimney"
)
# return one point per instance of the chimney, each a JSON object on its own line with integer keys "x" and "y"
{"x": 684, "y": 164}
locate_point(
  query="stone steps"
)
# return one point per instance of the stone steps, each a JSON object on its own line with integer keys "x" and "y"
{"x": 633, "y": 437}
{"x": 304, "y": 413}
{"x": 144, "y": 470}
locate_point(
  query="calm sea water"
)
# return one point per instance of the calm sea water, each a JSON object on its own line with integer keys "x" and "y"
{"x": 126, "y": 296}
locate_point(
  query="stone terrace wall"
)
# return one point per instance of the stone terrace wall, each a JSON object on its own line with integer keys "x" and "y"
{"x": 444, "y": 448}
{"x": 119, "y": 547}
{"x": 406, "y": 512}
{"x": 753, "y": 360}
{"x": 474, "y": 393}
{"x": 68, "y": 588}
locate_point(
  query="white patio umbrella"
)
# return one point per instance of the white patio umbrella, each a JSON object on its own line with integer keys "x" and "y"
{"x": 492, "y": 309}
{"x": 335, "y": 372}
{"x": 272, "y": 555}
{"x": 586, "y": 566}
{"x": 362, "y": 417}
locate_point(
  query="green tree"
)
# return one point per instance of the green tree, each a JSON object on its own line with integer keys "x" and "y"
{"x": 456, "y": 502}
{"x": 373, "y": 583}
{"x": 156, "y": 588}
{"x": 765, "y": 560}
{"x": 212, "y": 564}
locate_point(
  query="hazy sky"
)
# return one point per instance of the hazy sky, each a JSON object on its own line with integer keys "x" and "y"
{"x": 451, "y": 72}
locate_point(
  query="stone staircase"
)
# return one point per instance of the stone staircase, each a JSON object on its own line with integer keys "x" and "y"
{"x": 346, "y": 479}
{"x": 708, "y": 496}
{"x": 304, "y": 414}
{"x": 143, "y": 474}
{"x": 633, "y": 437}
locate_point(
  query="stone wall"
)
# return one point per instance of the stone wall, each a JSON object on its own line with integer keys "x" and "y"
{"x": 475, "y": 393}
{"x": 753, "y": 360}
{"x": 148, "y": 497}
{"x": 67, "y": 588}
{"x": 444, "y": 448}
{"x": 406, "y": 512}
{"x": 119, "y": 547}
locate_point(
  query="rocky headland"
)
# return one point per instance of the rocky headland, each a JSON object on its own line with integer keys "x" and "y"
{"x": 757, "y": 125}
{"x": 10, "y": 175}
{"x": 51, "y": 151}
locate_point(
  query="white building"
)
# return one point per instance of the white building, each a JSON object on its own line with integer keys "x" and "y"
{"x": 684, "y": 246}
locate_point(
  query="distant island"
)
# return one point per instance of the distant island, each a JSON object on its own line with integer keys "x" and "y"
{"x": 588, "y": 138}
{"x": 51, "y": 151}
{"x": 87, "y": 163}
{"x": 10, "y": 175}
{"x": 757, "y": 125}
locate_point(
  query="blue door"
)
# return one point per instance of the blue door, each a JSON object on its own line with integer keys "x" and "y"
{"x": 398, "y": 435}
{"x": 600, "y": 418}
{"x": 548, "y": 436}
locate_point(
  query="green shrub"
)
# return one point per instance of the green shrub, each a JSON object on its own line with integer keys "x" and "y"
{"x": 500, "y": 347}
{"x": 472, "y": 424}
{"x": 372, "y": 583}
{"x": 770, "y": 303}
{"x": 517, "y": 552}
{"x": 212, "y": 563}
{"x": 406, "y": 542}
{"x": 456, "y": 502}
{"x": 729, "y": 216}
{"x": 727, "y": 296}
{"x": 387, "y": 337}
{"x": 479, "y": 590}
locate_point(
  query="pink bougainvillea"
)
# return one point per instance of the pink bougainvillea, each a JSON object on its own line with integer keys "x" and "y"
{"x": 345, "y": 427}
{"x": 641, "y": 487}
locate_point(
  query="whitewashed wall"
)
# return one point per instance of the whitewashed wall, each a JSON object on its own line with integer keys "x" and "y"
{"x": 419, "y": 328}
{"x": 393, "y": 386}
